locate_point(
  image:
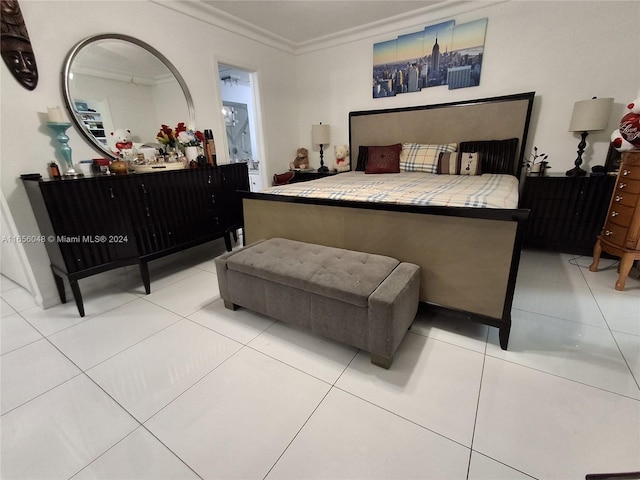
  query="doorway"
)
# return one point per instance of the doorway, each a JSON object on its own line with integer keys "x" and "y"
{"x": 239, "y": 107}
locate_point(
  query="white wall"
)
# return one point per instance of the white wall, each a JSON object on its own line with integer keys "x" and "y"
{"x": 564, "y": 51}
{"x": 193, "y": 46}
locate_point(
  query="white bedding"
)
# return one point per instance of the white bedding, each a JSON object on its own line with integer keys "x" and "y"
{"x": 414, "y": 188}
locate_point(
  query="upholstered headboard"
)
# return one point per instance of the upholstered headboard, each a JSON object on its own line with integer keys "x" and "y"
{"x": 496, "y": 118}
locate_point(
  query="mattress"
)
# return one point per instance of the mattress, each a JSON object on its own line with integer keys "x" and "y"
{"x": 410, "y": 188}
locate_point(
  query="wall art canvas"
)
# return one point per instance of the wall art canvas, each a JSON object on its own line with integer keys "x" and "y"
{"x": 441, "y": 54}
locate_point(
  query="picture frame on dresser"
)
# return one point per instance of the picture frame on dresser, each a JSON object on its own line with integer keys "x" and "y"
{"x": 612, "y": 162}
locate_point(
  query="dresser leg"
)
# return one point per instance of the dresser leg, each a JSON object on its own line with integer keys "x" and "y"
{"x": 75, "y": 288}
{"x": 626, "y": 262}
{"x": 597, "y": 250}
{"x": 144, "y": 273}
{"x": 227, "y": 241}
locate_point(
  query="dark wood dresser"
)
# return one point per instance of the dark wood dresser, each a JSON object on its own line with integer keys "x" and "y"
{"x": 95, "y": 224}
{"x": 621, "y": 233}
{"x": 567, "y": 213}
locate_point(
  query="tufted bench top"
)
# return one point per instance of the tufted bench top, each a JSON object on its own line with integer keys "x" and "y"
{"x": 331, "y": 272}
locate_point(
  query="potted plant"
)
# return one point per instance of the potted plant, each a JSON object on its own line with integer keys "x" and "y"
{"x": 538, "y": 164}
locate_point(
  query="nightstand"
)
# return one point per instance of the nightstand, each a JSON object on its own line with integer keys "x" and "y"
{"x": 567, "y": 213}
{"x": 311, "y": 175}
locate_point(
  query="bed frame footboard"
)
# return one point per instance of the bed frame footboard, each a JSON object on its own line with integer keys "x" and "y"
{"x": 468, "y": 257}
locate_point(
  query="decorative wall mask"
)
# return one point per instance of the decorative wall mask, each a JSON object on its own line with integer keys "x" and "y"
{"x": 15, "y": 45}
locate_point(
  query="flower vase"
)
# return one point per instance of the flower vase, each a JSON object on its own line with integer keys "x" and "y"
{"x": 191, "y": 153}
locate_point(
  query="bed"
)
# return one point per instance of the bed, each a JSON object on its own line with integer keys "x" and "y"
{"x": 467, "y": 245}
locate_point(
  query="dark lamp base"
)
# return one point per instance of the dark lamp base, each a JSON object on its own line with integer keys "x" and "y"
{"x": 576, "y": 172}
{"x": 323, "y": 169}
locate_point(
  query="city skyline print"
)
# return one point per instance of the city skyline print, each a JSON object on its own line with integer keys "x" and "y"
{"x": 441, "y": 54}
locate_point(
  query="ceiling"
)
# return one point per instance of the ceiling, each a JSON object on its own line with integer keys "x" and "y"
{"x": 300, "y": 22}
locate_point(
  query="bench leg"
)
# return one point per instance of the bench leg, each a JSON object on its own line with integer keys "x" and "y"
{"x": 380, "y": 361}
{"x": 230, "y": 306}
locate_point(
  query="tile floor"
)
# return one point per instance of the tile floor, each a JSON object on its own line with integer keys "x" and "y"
{"x": 172, "y": 385}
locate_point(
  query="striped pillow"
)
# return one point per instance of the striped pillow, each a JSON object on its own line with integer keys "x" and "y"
{"x": 460, "y": 163}
{"x": 416, "y": 157}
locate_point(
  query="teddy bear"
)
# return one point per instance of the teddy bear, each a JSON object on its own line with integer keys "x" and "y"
{"x": 122, "y": 139}
{"x": 627, "y": 136}
{"x": 342, "y": 158}
{"x": 302, "y": 160}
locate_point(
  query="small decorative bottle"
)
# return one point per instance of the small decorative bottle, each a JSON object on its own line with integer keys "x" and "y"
{"x": 54, "y": 171}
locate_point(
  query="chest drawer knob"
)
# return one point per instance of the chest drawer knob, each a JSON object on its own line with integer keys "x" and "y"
{"x": 622, "y": 185}
{"x": 614, "y": 214}
{"x": 608, "y": 233}
{"x": 618, "y": 198}
{"x": 626, "y": 172}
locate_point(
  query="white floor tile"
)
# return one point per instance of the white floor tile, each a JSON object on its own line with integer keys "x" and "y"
{"x": 349, "y": 438}
{"x": 485, "y": 468}
{"x": 6, "y": 309}
{"x": 571, "y": 350}
{"x": 16, "y": 332}
{"x": 103, "y": 336}
{"x": 18, "y": 299}
{"x": 570, "y": 302}
{"x": 630, "y": 348}
{"x": 223, "y": 410}
{"x": 30, "y": 371}
{"x": 161, "y": 277}
{"x": 431, "y": 383}
{"x": 238, "y": 420}
{"x": 150, "y": 374}
{"x": 188, "y": 295}
{"x": 296, "y": 346}
{"x": 7, "y": 284}
{"x": 242, "y": 325}
{"x": 139, "y": 456}
{"x": 65, "y": 315}
{"x": 550, "y": 266}
{"x": 59, "y": 433}
{"x": 554, "y": 428}
{"x": 451, "y": 329}
{"x": 621, "y": 311}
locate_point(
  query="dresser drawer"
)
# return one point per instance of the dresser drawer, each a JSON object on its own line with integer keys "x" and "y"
{"x": 627, "y": 185}
{"x": 615, "y": 234}
{"x": 630, "y": 171}
{"x": 622, "y": 198}
{"x": 621, "y": 214}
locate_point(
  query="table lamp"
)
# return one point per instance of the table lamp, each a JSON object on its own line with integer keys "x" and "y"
{"x": 320, "y": 135}
{"x": 588, "y": 116}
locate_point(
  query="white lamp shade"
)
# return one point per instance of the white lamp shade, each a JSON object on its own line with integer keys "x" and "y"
{"x": 590, "y": 115}
{"x": 320, "y": 134}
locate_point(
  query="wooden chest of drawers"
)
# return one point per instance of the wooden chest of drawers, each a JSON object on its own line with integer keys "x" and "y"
{"x": 621, "y": 233}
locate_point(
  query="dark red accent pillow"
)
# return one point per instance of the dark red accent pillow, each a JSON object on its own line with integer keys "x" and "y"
{"x": 384, "y": 159}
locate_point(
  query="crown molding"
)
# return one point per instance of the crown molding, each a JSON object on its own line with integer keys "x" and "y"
{"x": 213, "y": 16}
{"x": 218, "y": 18}
{"x": 410, "y": 20}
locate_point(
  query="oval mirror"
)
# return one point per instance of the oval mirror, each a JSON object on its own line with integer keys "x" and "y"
{"x": 113, "y": 82}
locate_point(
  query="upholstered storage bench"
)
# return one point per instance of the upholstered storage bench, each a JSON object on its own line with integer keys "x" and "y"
{"x": 364, "y": 300}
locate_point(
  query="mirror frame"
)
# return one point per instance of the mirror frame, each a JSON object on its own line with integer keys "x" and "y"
{"x": 115, "y": 36}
